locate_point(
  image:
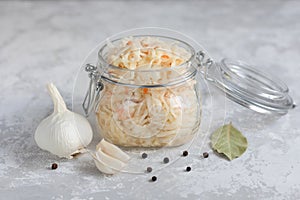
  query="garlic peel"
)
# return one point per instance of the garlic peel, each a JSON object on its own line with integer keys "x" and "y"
{"x": 63, "y": 133}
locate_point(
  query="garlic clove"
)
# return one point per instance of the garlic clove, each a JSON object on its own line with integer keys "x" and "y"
{"x": 103, "y": 167}
{"x": 109, "y": 158}
{"x": 113, "y": 151}
{"x": 112, "y": 163}
{"x": 107, "y": 164}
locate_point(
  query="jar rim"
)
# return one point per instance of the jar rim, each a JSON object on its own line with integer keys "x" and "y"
{"x": 184, "y": 64}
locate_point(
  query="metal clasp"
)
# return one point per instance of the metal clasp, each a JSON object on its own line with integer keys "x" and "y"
{"x": 204, "y": 64}
{"x": 94, "y": 89}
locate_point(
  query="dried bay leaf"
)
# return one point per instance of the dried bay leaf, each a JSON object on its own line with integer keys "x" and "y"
{"x": 229, "y": 141}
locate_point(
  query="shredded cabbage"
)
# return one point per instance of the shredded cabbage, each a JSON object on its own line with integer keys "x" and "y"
{"x": 148, "y": 117}
{"x": 146, "y": 53}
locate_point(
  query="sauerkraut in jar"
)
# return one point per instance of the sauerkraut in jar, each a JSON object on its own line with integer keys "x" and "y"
{"x": 150, "y": 96}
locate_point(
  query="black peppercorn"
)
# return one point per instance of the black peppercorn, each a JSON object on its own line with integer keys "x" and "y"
{"x": 166, "y": 160}
{"x": 144, "y": 155}
{"x": 149, "y": 169}
{"x": 185, "y": 153}
{"x": 188, "y": 169}
{"x": 54, "y": 166}
{"x": 205, "y": 155}
{"x": 154, "y": 178}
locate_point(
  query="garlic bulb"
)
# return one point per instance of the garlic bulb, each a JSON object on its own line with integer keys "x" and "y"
{"x": 109, "y": 158}
{"x": 63, "y": 133}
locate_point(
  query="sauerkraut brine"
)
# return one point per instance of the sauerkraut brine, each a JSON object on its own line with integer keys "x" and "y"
{"x": 143, "y": 116}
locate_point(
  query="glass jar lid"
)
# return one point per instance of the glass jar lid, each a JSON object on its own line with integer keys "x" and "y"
{"x": 250, "y": 87}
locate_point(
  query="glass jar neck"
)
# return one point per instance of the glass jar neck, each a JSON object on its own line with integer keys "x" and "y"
{"x": 150, "y": 78}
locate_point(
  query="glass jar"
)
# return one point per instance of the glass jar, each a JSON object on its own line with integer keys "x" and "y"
{"x": 151, "y": 107}
{"x": 160, "y": 105}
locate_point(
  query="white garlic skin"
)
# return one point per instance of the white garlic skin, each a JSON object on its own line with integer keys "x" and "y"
{"x": 63, "y": 138}
{"x": 63, "y": 133}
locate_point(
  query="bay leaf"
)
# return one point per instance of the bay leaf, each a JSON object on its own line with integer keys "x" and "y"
{"x": 229, "y": 141}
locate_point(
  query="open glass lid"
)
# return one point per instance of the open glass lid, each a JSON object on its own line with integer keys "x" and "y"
{"x": 247, "y": 86}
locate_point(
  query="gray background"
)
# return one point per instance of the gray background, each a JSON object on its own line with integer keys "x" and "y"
{"x": 48, "y": 40}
